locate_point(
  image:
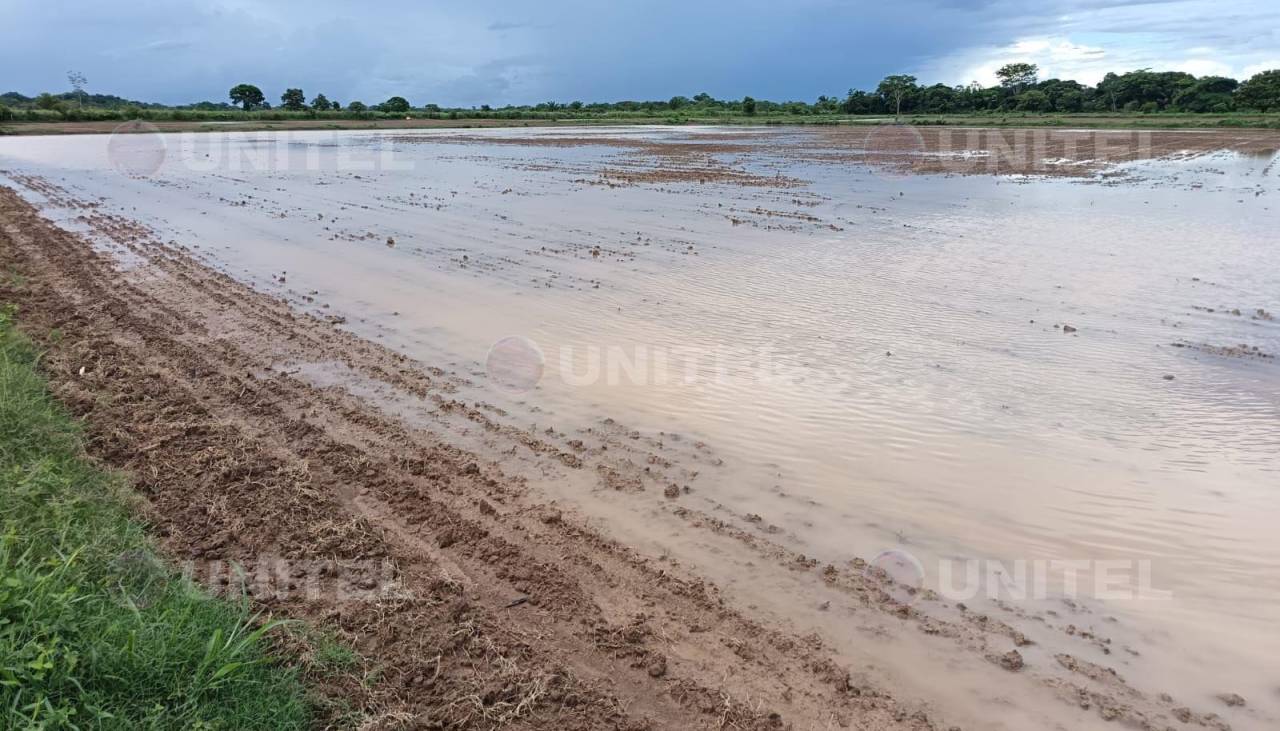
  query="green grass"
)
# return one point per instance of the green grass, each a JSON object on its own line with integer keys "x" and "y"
{"x": 95, "y": 632}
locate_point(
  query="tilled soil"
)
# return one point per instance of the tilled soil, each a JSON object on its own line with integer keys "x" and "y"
{"x": 488, "y": 607}
{"x": 890, "y": 148}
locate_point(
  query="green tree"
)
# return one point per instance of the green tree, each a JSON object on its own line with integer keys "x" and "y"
{"x": 860, "y": 102}
{"x": 357, "y": 107}
{"x": 248, "y": 96}
{"x": 1261, "y": 91}
{"x": 293, "y": 100}
{"x": 1206, "y": 94}
{"x": 894, "y": 89}
{"x": 320, "y": 103}
{"x": 48, "y": 101}
{"x": 938, "y": 98}
{"x": 748, "y": 106}
{"x": 1017, "y": 76}
{"x": 1070, "y": 101}
{"x": 395, "y": 105}
{"x": 1034, "y": 100}
{"x": 678, "y": 102}
{"x": 1063, "y": 94}
{"x": 5, "y": 113}
{"x": 78, "y": 82}
{"x": 1136, "y": 89}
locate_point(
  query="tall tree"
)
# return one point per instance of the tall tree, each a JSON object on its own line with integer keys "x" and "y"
{"x": 1144, "y": 87}
{"x": 1017, "y": 76}
{"x": 78, "y": 82}
{"x": 395, "y": 105}
{"x": 320, "y": 103}
{"x": 248, "y": 96}
{"x": 748, "y": 106}
{"x": 293, "y": 100}
{"x": 1207, "y": 94}
{"x": 896, "y": 88}
{"x": 1261, "y": 91}
{"x": 1034, "y": 100}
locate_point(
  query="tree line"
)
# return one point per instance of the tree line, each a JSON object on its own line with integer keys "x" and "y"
{"x": 1020, "y": 89}
{"x": 250, "y": 98}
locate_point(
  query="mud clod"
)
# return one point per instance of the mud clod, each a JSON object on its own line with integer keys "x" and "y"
{"x": 1012, "y": 661}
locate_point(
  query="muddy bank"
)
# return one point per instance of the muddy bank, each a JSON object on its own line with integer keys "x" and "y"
{"x": 490, "y": 606}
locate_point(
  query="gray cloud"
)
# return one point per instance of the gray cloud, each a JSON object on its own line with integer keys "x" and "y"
{"x": 471, "y": 53}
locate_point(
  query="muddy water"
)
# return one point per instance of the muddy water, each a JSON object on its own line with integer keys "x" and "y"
{"x": 973, "y": 370}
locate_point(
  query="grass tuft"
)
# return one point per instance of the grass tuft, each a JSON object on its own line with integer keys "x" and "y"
{"x": 95, "y": 631}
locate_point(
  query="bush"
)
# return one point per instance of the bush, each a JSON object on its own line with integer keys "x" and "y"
{"x": 6, "y": 114}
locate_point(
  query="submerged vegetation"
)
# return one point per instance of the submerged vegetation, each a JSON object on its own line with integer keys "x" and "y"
{"x": 95, "y": 632}
{"x": 1020, "y": 92}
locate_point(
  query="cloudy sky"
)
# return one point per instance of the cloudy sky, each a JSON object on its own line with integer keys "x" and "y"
{"x": 525, "y": 51}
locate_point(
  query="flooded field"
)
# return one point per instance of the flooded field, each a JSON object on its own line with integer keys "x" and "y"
{"x": 1031, "y": 378}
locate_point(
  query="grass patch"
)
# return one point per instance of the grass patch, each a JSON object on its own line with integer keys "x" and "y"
{"x": 95, "y": 631}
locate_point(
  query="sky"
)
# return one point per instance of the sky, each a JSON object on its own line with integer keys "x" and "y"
{"x": 527, "y": 51}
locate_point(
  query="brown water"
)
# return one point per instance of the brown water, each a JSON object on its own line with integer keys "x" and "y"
{"x": 876, "y": 361}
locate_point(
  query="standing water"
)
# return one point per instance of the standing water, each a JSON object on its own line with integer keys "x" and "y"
{"x": 1049, "y": 390}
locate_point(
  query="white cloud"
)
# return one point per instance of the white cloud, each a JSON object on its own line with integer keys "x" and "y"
{"x": 1056, "y": 57}
{"x": 1063, "y": 58}
{"x": 1089, "y": 38}
{"x": 1200, "y": 67}
{"x": 1258, "y": 68}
